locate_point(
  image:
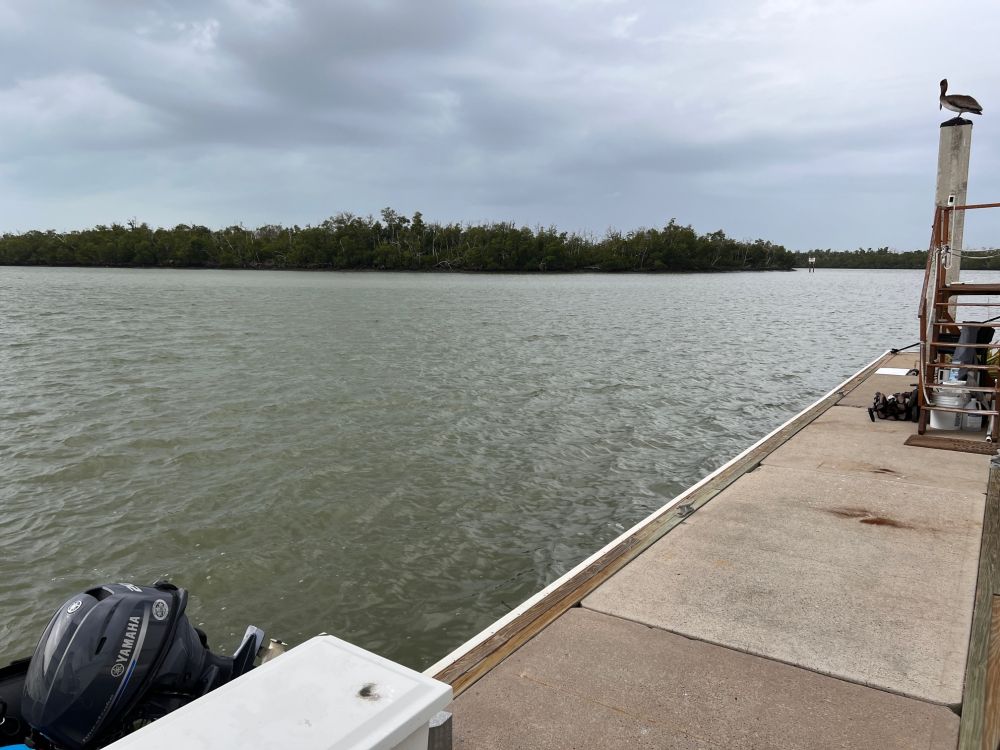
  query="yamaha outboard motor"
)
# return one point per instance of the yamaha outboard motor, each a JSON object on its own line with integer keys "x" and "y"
{"x": 117, "y": 657}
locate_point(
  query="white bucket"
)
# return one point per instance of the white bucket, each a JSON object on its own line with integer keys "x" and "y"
{"x": 952, "y": 399}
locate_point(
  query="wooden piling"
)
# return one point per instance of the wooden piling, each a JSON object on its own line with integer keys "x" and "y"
{"x": 954, "y": 149}
{"x": 980, "y": 727}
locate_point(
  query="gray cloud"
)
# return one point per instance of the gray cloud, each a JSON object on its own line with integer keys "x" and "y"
{"x": 812, "y": 124}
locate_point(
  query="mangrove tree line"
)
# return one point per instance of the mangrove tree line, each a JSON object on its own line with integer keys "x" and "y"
{"x": 393, "y": 242}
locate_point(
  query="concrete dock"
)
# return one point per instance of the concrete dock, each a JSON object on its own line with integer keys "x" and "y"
{"x": 822, "y": 598}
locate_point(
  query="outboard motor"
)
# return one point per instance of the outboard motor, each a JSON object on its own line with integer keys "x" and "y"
{"x": 117, "y": 657}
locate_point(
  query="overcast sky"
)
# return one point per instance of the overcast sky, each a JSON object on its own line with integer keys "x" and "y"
{"x": 812, "y": 124}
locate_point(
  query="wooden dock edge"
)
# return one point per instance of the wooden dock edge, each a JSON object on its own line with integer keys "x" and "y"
{"x": 484, "y": 651}
{"x": 980, "y": 726}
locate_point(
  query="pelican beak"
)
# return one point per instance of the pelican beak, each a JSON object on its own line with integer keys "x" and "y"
{"x": 940, "y": 105}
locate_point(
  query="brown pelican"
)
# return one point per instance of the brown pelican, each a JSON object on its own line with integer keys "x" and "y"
{"x": 958, "y": 102}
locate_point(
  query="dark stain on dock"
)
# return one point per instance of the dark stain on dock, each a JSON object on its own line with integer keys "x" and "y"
{"x": 868, "y": 517}
{"x": 849, "y": 512}
{"x": 883, "y": 521}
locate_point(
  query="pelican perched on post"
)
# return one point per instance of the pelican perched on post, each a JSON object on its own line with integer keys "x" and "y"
{"x": 958, "y": 102}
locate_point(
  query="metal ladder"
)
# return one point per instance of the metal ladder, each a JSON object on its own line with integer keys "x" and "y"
{"x": 940, "y": 329}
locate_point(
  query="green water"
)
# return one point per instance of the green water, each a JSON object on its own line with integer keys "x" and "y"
{"x": 397, "y": 459}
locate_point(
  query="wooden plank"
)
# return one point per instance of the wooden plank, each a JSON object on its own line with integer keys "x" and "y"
{"x": 479, "y": 660}
{"x": 952, "y": 444}
{"x": 976, "y": 205}
{"x": 991, "y": 728}
{"x": 955, "y": 345}
{"x": 949, "y": 366}
{"x": 960, "y": 288}
{"x": 968, "y": 324}
{"x": 974, "y": 729}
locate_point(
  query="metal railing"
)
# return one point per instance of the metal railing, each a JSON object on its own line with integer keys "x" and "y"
{"x": 941, "y": 330}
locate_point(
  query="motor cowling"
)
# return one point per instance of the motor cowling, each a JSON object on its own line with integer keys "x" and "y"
{"x": 113, "y": 657}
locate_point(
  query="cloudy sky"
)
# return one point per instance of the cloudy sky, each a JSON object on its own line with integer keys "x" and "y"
{"x": 812, "y": 124}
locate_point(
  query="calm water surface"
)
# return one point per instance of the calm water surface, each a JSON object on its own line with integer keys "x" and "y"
{"x": 397, "y": 459}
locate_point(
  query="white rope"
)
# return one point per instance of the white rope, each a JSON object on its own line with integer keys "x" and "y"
{"x": 977, "y": 254}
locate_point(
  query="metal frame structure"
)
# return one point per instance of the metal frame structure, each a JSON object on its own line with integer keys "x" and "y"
{"x": 938, "y": 318}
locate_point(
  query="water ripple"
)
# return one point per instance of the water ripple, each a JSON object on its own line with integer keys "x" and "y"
{"x": 395, "y": 458}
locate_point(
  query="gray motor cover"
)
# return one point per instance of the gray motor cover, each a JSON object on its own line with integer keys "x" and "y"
{"x": 98, "y": 654}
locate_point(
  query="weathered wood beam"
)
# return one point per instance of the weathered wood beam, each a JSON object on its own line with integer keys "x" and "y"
{"x": 980, "y": 727}
{"x": 991, "y": 720}
{"x": 952, "y": 444}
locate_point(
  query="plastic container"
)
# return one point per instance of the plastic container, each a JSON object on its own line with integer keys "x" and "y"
{"x": 973, "y": 422}
{"x": 951, "y": 398}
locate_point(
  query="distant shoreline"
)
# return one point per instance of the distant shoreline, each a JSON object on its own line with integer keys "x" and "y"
{"x": 394, "y": 242}
{"x": 441, "y": 271}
